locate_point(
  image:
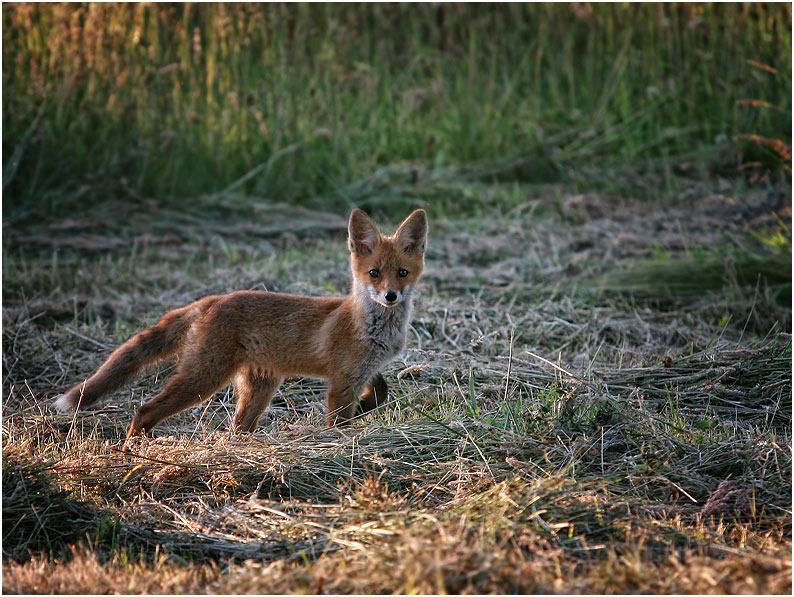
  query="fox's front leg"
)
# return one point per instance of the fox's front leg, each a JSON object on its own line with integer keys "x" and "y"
{"x": 341, "y": 403}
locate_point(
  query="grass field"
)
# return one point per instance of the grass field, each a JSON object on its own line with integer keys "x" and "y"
{"x": 296, "y": 102}
{"x": 596, "y": 393}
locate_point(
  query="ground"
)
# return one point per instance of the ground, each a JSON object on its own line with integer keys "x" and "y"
{"x": 595, "y": 398}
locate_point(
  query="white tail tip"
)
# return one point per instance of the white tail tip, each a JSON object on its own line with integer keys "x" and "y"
{"x": 63, "y": 405}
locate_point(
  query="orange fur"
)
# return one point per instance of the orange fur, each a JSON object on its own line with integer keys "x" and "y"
{"x": 256, "y": 338}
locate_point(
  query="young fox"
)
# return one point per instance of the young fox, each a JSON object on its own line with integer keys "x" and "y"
{"x": 256, "y": 338}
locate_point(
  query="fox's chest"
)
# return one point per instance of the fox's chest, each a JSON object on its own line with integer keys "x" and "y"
{"x": 385, "y": 338}
{"x": 387, "y": 334}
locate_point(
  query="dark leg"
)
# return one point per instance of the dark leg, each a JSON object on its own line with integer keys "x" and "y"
{"x": 375, "y": 395}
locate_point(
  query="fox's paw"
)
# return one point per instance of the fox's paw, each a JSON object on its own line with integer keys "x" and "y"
{"x": 134, "y": 436}
{"x": 64, "y": 404}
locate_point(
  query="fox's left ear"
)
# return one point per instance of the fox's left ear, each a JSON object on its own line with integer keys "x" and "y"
{"x": 411, "y": 236}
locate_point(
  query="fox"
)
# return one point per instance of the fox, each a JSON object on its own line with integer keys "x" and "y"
{"x": 255, "y": 338}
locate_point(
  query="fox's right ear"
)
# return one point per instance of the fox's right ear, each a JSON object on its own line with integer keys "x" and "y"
{"x": 363, "y": 235}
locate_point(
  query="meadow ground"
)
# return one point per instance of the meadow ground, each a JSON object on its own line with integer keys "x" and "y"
{"x": 596, "y": 397}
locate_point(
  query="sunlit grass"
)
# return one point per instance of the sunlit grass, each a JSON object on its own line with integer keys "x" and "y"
{"x": 156, "y": 100}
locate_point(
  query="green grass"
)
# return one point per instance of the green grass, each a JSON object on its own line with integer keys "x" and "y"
{"x": 294, "y": 103}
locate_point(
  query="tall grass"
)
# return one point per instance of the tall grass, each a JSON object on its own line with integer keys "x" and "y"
{"x": 172, "y": 101}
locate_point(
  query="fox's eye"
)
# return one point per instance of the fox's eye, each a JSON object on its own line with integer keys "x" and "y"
{"x": 373, "y": 273}
{"x": 402, "y": 272}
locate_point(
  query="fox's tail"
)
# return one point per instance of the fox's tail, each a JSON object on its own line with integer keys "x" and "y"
{"x": 164, "y": 339}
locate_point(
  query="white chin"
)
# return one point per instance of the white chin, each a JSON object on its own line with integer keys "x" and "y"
{"x": 387, "y": 305}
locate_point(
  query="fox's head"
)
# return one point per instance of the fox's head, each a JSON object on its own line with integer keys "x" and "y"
{"x": 387, "y": 267}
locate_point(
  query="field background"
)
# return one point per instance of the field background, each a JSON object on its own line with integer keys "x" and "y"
{"x": 596, "y": 396}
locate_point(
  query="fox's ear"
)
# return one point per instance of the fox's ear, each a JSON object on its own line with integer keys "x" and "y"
{"x": 412, "y": 234}
{"x": 363, "y": 235}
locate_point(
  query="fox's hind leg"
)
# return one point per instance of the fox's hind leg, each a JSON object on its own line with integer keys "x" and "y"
{"x": 254, "y": 388}
{"x": 198, "y": 378}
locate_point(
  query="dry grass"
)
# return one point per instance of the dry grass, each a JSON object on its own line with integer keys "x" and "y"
{"x": 544, "y": 436}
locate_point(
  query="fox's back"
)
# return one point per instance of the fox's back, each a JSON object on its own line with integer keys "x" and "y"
{"x": 285, "y": 333}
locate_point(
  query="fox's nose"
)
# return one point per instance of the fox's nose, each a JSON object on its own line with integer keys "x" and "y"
{"x": 391, "y": 296}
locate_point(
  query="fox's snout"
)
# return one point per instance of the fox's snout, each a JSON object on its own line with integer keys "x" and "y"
{"x": 389, "y": 297}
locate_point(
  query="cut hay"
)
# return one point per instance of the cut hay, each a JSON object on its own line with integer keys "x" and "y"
{"x": 537, "y": 439}
{"x": 37, "y": 515}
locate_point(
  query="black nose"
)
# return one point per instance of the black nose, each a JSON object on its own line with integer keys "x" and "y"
{"x": 391, "y": 296}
